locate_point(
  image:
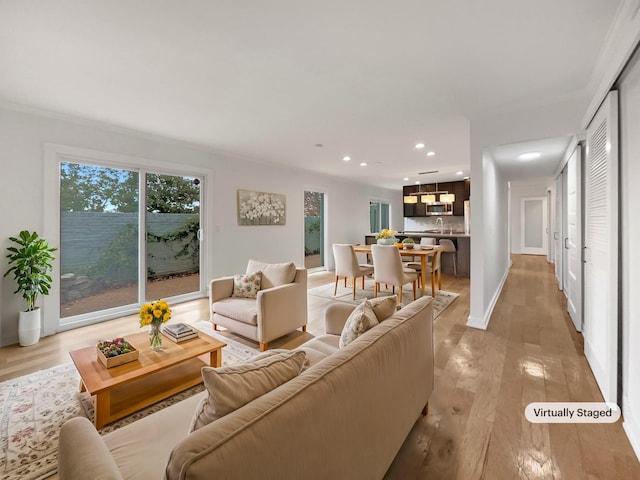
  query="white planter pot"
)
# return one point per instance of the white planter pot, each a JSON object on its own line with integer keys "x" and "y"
{"x": 29, "y": 327}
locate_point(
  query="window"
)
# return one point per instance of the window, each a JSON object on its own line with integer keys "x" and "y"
{"x": 128, "y": 234}
{"x": 378, "y": 216}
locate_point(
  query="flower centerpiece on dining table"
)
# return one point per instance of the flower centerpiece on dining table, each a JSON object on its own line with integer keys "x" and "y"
{"x": 386, "y": 237}
{"x": 155, "y": 314}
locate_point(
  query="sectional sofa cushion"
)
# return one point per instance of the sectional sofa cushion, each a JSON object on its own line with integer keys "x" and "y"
{"x": 229, "y": 388}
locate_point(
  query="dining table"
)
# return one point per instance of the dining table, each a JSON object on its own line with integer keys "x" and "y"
{"x": 421, "y": 251}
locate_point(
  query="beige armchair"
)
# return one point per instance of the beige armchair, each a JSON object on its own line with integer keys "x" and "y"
{"x": 279, "y": 308}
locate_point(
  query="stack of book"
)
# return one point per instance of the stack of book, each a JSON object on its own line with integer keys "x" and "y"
{"x": 179, "y": 332}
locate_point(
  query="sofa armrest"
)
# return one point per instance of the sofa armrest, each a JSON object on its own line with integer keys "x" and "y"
{"x": 220, "y": 288}
{"x": 82, "y": 454}
{"x": 281, "y": 310}
{"x": 335, "y": 316}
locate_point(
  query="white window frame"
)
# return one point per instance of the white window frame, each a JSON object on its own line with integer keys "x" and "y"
{"x": 54, "y": 155}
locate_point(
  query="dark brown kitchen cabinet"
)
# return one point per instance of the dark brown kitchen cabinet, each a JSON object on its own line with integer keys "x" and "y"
{"x": 460, "y": 189}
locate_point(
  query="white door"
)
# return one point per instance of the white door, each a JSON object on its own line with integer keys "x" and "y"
{"x": 601, "y": 248}
{"x": 573, "y": 240}
{"x": 533, "y": 220}
{"x": 558, "y": 231}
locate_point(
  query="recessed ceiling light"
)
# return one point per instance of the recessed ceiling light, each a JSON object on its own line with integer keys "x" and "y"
{"x": 406, "y": 179}
{"x": 529, "y": 156}
{"x": 459, "y": 173}
{"x": 419, "y": 145}
{"x": 417, "y": 182}
{"x": 466, "y": 178}
{"x": 346, "y": 158}
{"x": 431, "y": 154}
{"x": 363, "y": 164}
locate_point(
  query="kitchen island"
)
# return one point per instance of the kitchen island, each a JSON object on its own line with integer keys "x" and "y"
{"x": 461, "y": 240}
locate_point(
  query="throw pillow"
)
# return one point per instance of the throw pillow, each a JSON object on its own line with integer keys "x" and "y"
{"x": 361, "y": 319}
{"x": 247, "y": 286}
{"x": 384, "y": 307}
{"x": 229, "y": 388}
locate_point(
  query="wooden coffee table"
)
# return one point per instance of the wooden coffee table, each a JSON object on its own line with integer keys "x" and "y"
{"x": 125, "y": 389}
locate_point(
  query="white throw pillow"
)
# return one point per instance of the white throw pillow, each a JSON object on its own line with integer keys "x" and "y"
{"x": 361, "y": 319}
{"x": 229, "y": 388}
{"x": 384, "y": 307}
{"x": 273, "y": 274}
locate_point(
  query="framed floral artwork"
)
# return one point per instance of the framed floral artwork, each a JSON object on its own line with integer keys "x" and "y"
{"x": 261, "y": 208}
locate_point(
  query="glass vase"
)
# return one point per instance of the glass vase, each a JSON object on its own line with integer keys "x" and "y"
{"x": 155, "y": 338}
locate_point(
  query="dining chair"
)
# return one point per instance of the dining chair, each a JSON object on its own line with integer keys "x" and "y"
{"x": 449, "y": 248}
{"x": 388, "y": 269}
{"x": 433, "y": 269}
{"x": 347, "y": 266}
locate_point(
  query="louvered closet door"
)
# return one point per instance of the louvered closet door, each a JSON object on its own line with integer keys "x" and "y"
{"x": 601, "y": 247}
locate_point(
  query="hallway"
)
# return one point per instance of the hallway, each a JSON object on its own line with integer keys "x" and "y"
{"x": 484, "y": 380}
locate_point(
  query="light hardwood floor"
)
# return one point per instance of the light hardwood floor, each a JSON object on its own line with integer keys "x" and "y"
{"x": 483, "y": 381}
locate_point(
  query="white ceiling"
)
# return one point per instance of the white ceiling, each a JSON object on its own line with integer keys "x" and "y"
{"x": 270, "y": 80}
{"x": 551, "y": 151}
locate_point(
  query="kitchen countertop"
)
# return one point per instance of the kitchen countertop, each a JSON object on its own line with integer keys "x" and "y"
{"x": 437, "y": 234}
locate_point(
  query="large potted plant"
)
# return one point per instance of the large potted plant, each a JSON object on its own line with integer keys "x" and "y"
{"x": 30, "y": 263}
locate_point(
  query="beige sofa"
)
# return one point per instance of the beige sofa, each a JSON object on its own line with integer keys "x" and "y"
{"x": 280, "y": 307}
{"x": 345, "y": 417}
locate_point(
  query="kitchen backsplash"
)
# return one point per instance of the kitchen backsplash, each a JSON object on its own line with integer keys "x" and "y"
{"x": 419, "y": 224}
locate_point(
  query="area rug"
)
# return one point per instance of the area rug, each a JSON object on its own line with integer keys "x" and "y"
{"x": 34, "y": 407}
{"x": 345, "y": 294}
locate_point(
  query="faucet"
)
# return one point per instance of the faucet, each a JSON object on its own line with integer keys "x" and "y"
{"x": 439, "y": 222}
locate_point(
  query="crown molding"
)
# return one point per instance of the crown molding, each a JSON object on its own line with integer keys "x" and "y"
{"x": 620, "y": 43}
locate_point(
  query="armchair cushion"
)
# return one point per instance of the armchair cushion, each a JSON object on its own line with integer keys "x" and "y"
{"x": 244, "y": 310}
{"x": 273, "y": 274}
{"x": 247, "y": 286}
{"x": 361, "y": 319}
{"x": 229, "y": 388}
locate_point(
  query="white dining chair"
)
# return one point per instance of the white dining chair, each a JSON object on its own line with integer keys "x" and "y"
{"x": 347, "y": 266}
{"x": 388, "y": 269}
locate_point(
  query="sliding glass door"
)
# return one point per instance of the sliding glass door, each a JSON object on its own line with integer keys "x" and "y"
{"x": 105, "y": 267}
{"x": 173, "y": 239}
{"x": 313, "y": 230}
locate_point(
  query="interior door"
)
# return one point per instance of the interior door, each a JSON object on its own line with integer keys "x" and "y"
{"x": 573, "y": 240}
{"x": 601, "y": 248}
{"x": 533, "y": 219}
{"x": 558, "y": 231}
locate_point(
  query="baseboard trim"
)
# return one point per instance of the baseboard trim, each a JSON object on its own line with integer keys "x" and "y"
{"x": 631, "y": 428}
{"x": 482, "y": 323}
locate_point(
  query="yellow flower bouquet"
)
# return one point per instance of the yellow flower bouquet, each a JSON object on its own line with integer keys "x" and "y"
{"x": 386, "y": 237}
{"x": 155, "y": 314}
{"x": 385, "y": 233}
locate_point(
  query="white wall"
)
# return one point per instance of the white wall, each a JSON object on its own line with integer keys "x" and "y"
{"x": 22, "y": 135}
{"x": 490, "y": 241}
{"x": 520, "y": 190}
{"x": 630, "y": 233}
